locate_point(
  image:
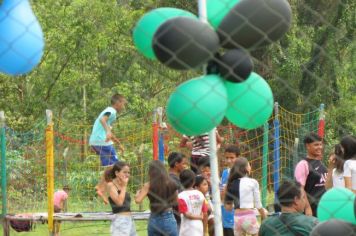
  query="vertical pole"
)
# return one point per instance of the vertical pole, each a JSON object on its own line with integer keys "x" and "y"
{"x": 276, "y": 151}
{"x": 160, "y": 135}
{"x": 155, "y": 130}
{"x": 50, "y": 169}
{"x": 213, "y": 155}
{"x": 3, "y": 164}
{"x": 321, "y": 126}
{"x": 265, "y": 164}
{"x": 85, "y": 134}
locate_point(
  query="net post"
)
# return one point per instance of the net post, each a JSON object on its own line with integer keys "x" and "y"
{"x": 3, "y": 165}
{"x": 276, "y": 149}
{"x": 50, "y": 169}
{"x": 321, "y": 125}
{"x": 265, "y": 164}
{"x": 155, "y": 131}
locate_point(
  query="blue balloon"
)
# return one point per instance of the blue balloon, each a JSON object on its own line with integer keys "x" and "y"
{"x": 21, "y": 38}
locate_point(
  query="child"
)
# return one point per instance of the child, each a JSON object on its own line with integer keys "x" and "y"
{"x": 192, "y": 205}
{"x": 201, "y": 184}
{"x": 101, "y": 139}
{"x": 60, "y": 204}
{"x": 335, "y": 177}
{"x": 243, "y": 194}
{"x": 120, "y": 200}
{"x": 161, "y": 191}
{"x": 348, "y": 145}
{"x": 231, "y": 153}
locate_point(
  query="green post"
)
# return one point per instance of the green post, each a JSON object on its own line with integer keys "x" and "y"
{"x": 264, "y": 164}
{"x": 3, "y": 164}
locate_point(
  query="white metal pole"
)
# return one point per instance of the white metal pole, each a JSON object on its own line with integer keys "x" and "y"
{"x": 213, "y": 156}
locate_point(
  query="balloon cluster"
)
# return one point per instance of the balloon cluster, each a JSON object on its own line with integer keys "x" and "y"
{"x": 21, "y": 38}
{"x": 180, "y": 41}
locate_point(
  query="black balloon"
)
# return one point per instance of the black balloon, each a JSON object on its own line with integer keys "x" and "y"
{"x": 185, "y": 43}
{"x": 235, "y": 65}
{"x": 255, "y": 23}
{"x": 334, "y": 228}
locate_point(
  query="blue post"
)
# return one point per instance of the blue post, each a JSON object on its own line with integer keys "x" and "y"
{"x": 161, "y": 147}
{"x": 276, "y": 151}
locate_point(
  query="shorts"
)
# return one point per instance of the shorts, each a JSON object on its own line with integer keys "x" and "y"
{"x": 123, "y": 225}
{"x": 245, "y": 222}
{"x": 107, "y": 154}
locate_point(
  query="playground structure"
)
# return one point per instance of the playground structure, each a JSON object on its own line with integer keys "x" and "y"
{"x": 55, "y": 153}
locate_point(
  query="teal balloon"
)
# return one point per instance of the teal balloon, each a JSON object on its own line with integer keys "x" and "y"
{"x": 218, "y": 9}
{"x": 21, "y": 38}
{"x": 198, "y": 105}
{"x": 147, "y": 26}
{"x": 337, "y": 203}
{"x": 250, "y": 102}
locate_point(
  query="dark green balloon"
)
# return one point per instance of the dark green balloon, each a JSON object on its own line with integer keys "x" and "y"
{"x": 218, "y": 9}
{"x": 337, "y": 203}
{"x": 198, "y": 105}
{"x": 148, "y": 24}
{"x": 250, "y": 102}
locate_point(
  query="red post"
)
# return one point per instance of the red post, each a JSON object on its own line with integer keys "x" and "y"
{"x": 155, "y": 135}
{"x": 321, "y": 126}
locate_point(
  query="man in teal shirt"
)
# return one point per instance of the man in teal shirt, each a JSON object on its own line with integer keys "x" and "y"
{"x": 102, "y": 139}
{"x": 292, "y": 221}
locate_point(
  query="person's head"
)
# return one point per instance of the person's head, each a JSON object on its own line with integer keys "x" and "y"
{"x": 348, "y": 145}
{"x": 118, "y": 102}
{"x": 177, "y": 161}
{"x": 204, "y": 167}
{"x": 240, "y": 169}
{"x": 314, "y": 145}
{"x": 157, "y": 171}
{"x": 231, "y": 153}
{"x": 119, "y": 170}
{"x": 336, "y": 158}
{"x": 66, "y": 188}
{"x": 187, "y": 178}
{"x": 290, "y": 194}
{"x": 201, "y": 184}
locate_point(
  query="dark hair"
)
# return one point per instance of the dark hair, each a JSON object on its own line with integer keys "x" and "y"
{"x": 109, "y": 174}
{"x": 175, "y": 157}
{"x": 311, "y": 138}
{"x": 116, "y": 97}
{"x": 203, "y": 162}
{"x": 233, "y": 149}
{"x": 66, "y": 187}
{"x": 238, "y": 170}
{"x": 348, "y": 143}
{"x": 163, "y": 190}
{"x": 339, "y": 161}
{"x": 187, "y": 178}
{"x": 287, "y": 191}
{"x": 199, "y": 179}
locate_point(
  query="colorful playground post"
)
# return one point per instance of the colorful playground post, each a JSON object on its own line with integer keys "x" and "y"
{"x": 276, "y": 150}
{"x": 264, "y": 164}
{"x": 50, "y": 169}
{"x": 321, "y": 125}
{"x": 3, "y": 164}
{"x": 155, "y": 135}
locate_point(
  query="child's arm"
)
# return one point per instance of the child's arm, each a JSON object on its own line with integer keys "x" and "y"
{"x": 193, "y": 217}
{"x": 141, "y": 194}
{"x": 107, "y": 128}
{"x": 116, "y": 140}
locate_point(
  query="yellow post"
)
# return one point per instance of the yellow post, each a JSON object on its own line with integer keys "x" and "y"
{"x": 50, "y": 169}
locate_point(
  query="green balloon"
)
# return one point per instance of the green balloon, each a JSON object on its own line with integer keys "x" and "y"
{"x": 198, "y": 105}
{"x": 148, "y": 24}
{"x": 218, "y": 9}
{"x": 337, "y": 203}
{"x": 250, "y": 102}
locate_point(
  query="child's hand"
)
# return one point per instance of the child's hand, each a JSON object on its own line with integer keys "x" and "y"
{"x": 108, "y": 136}
{"x": 331, "y": 161}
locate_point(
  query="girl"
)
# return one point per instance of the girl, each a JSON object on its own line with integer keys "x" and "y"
{"x": 201, "y": 184}
{"x": 243, "y": 193}
{"x": 335, "y": 177}
{"x": 348, "y": 146}
{"x": 162, "y": 192}
{"x": 120, "y": 201}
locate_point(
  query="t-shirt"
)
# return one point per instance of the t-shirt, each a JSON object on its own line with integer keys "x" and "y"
{"x": 200, "y": 145}
{"x": 298, "y": 224}
{"x": 312, "y": 175}
{"x": 98, "y": 134}
{"x": 244, "y": 193}
{"x": 176, "y": 180}
{"x": 59, "y": 196}
{"x": 338, "y": 179}
{"x": 350, "y": 171}
{"x": 227, "y": 216}
{"x": 193, "y": 202}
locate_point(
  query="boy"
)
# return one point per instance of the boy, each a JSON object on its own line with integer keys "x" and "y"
{"x": 232, "y": 152}
{"x": 101, "y": 139}
{"x": 60, "y": 204}
{"x": 192, "y": 205}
